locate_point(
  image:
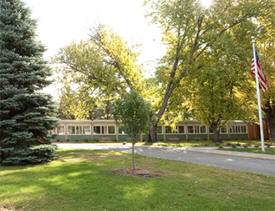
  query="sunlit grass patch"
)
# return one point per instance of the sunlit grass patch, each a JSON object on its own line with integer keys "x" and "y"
{"x": 87, "y": 183}
{"x": 270, "y": 151}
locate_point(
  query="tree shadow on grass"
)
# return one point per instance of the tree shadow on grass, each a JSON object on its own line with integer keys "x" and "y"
{"x": 88, "y": 184}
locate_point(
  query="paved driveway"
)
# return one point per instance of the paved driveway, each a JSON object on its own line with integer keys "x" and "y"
{"x": 238, "y": 163}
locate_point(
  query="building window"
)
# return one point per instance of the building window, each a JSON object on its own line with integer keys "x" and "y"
{"x": 111, "y": 130}
{"x": 243, "y": 129}
{"x": 78, "y": 130}
{"x": 60, "y": 130}
{"x": 190, "y": 129}
{"x": 96, "y": 130}
{"x": 71, "y": 130}
{"x": 210, "y": 130}
{"x": 180, "y": 129}
{"x": 103, "y": 131}
{"x": 197, "y": 129}
{"x": 168, "y": 129}
{"x": 202, "y": 129}
{"x": 223, "y": 130}
{"x": 235, "y": 129}
{"x": 159, "y": 129}
{"x": 86, "y": 130}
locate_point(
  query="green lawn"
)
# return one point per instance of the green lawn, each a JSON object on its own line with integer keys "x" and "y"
{"x": 82, "y": 180}
{"x": 270, "y": 151}
{"x": 181, "y": 144}
{"x": 201, "y": 143}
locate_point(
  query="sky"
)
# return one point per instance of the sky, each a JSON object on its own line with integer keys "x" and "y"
{"x": 60, "y": 22}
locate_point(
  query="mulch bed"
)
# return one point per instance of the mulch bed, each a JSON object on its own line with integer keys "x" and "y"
{"x": 4, "y": 208}
{"x": 135, "y": 172}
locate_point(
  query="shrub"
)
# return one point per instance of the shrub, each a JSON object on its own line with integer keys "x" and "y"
{"x": 33, "y": 155}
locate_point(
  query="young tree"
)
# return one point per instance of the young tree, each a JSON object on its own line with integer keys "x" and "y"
{"x": 26, "y": 115}
{"x": 133, "y": 112}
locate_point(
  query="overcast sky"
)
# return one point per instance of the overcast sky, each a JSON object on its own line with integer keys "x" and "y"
{"x": 60, "y": 22}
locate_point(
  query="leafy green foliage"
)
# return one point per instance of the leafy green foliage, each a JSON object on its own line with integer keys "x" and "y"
{"x": 196, "y": 36}
{"x": 35, "y": 154}
{"x": 26, "y": 115}
{"x": 267, "y": 58}
{"x": 133, "y": 112}
{"x": 100, "y": 69}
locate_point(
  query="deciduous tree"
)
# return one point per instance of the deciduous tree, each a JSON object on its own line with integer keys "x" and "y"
{"x": 133, "y": 112}
{"x": 98, "y": 71}
{"x": 190, "y": 31}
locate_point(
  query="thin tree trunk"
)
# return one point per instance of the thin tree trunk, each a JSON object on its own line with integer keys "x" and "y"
{"x": 133, "y": 154}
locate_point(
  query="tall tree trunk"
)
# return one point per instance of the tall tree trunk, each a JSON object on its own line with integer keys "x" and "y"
{"x": 133, "y": 154}
{"x": 216, "y": 137}
{"x": 271, "y": 123}
{"x": 269, "y": 109}
{"x": 152, "y": 136}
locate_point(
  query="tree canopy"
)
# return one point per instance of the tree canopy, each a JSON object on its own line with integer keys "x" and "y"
{"x": 101, "y": 68}
{"x": 133, "y": 113}
{"x": 193, "y": 35}
{"x": 207, "y": 60}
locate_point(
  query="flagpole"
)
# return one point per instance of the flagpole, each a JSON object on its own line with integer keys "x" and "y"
{"x": 258, "y": 95}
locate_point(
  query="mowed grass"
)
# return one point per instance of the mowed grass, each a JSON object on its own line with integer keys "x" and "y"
{"x": 83, "y": 180}
{"x": 270, "y": 151}
{"x": 203, "y": 143}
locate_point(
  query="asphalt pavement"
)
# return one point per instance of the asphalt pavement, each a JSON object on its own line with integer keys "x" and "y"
{"x": 245, "y": 162}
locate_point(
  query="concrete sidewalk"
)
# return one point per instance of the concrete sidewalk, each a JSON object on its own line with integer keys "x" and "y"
{"x": 211, "y": 150}
{"x": 215, "y": 150}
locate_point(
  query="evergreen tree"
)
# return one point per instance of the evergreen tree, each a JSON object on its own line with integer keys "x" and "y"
{"x": 26, "y": 115}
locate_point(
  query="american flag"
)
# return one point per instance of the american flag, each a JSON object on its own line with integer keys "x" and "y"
{"x": 260, "y": 73}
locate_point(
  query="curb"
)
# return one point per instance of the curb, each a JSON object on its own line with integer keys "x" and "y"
{"x": 237, "y": 154}
{"x": 214, "y": 150}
